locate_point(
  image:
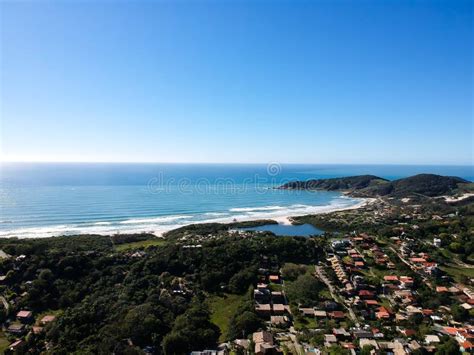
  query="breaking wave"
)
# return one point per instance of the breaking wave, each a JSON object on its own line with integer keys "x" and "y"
{"x": 161, "y": 224}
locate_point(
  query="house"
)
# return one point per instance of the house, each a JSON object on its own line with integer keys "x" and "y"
{"x": 16, "y": 345}
{"x": 427, "y": 312}
{"x": 262, "y": 295}
{"x": 47, "y": 319}
{"x": 395, "y": 347}
{"x": 274, "y": 278}
{"x": 37, "y": 330}
{"x": 408, "y": 332}
{"x": 242, "y": 343}
{"x": 400, "y": 317}
{"x": 467, "y": 347}
{"x": 262, "y": 337}
{"x": 279, "y": 320}
{"x": 307, "y": 311}
{"x": 431, "y": 339}
{"x": 320, "y": 314}
{"x": 441, "y": 289}
{"x": 469, "y": 293}
{"x": 454, "y": 290}
{"x": 337, "y": 315}
{"x": 406, "y": 281}
{"x": 341, "y": 333}
{"x": 279, "y": 309}
{"x": 24, "y": 316}
{"x": 382, "y": 313}
{"x": 329, "y": 339}
{"x": 16, "y": 329}
{"x": 362, "y": 334}
{"x": 390, "y": 278}
{"x": 263, "y": 309}
{"x": 366, "y": 294}
{"x": 412, "y": 310}
{"x": 263, "y": 343}
{"x": 278, "y": 297}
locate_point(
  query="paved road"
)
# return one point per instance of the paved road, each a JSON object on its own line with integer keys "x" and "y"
{"x": 413, "y": 268}
{"x": 321, "y": 274}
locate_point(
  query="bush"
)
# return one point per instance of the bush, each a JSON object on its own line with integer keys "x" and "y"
{"x": 291, "y": 271}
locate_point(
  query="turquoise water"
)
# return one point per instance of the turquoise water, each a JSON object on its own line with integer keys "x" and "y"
{"x": 38, "y": 200}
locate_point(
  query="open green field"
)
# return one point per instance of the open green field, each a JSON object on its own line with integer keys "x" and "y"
{"x": 457, "y": 272}
{"x": 140, "y": 244}
{"x": 222, "y": 308}
{"x": 3, "y": 342}
{"x": 305, "y": 323}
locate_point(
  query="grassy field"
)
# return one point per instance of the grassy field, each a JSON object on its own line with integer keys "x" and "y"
{"x": 140, "y": 244}
{"x": 3, "y": 342}
{"x": 456, "y": 272}
{"x": 305, "y": 323}
{"x": 222, "y": 308}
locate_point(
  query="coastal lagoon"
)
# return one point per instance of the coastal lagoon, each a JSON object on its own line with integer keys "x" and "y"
{"x": 40, "y": 200}
{"x": 304, "y": 230}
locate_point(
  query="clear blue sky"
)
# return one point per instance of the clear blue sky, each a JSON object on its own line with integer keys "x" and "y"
{"x": 237, "y": 81}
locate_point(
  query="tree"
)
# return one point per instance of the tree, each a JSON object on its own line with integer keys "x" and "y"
{"x": 450, "y": 347}
{"x": 304, "y": 290}
{"x": 243, "y": 324}
{"x": 459, "y": 313}
{"x": 244, "y": 321}
{"x": 191, "y": 331}
{"x": 240, "y": 282}
{"x": 366, "y": 350}
{"x": 456, "y": 247}
{"x": 337, "y": 350}
{"x": 291, "y": 271}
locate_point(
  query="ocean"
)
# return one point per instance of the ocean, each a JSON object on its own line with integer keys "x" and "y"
{"x": 51, "y": 199}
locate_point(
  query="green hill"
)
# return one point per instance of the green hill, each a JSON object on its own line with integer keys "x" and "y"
{"x": 334, "y": 184}
{"x": 429, "y": 185}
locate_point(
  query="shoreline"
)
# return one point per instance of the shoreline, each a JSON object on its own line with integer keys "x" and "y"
{"x": 283, "y": 219}
{"x": 287, "y": 220}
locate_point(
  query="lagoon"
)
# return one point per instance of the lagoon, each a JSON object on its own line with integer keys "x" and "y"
{"x": 304, "y": 230}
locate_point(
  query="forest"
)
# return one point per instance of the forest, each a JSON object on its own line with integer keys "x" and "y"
{"x": 127, "y": 301}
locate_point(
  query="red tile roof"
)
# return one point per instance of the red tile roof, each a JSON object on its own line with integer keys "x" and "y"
{"x": 371, "y": 302}
{"x": 337, "y": 314}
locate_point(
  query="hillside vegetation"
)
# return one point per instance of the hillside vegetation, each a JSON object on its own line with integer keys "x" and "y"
{"x": 429, "y": 185}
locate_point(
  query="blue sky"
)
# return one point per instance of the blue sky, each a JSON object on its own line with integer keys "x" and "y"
{"x": 237, "y": 81}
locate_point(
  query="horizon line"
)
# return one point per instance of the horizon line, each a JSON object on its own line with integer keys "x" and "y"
{"x": 224, "y": 163}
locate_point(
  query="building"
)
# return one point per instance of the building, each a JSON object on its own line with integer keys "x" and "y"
{"x": 25, "y": 316}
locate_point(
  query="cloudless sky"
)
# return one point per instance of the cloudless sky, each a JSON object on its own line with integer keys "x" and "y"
{"x": 237, "y": 81}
